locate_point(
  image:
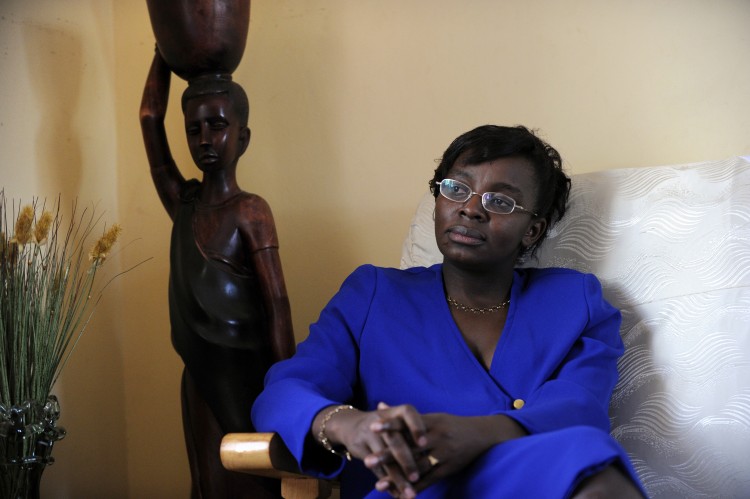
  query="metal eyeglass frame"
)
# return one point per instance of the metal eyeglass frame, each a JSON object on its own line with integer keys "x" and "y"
{"x": 485, "y": 198}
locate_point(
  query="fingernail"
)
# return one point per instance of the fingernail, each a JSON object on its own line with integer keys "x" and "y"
{"x": 371, "y": 461}
{"x": 409, "y": 493}
{"x": 422, "y": 441}
{"x": 377, "y": 426}
{"x": 414, "y": 477}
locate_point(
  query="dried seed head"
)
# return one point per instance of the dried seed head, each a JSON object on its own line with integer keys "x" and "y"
{"x": 102, "y": 247}
{"x": 23, "y": 225}
{"x": 42, "y": 227}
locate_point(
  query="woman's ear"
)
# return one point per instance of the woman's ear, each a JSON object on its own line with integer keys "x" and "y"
{"x": 535, "y": 230}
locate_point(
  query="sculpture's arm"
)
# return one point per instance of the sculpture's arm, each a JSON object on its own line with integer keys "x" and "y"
{"x": 167, "y": 178}
{"x": 271, "y": 279}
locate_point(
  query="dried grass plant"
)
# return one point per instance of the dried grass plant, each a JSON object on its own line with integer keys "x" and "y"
{"x": 48, "y": 294}
{"x": 48, "y": 271}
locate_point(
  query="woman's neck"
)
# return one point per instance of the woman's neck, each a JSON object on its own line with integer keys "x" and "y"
{"x": 477, "y": 288}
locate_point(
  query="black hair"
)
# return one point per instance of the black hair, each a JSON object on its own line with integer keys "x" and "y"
{"x": 221, "y": 84}
{"x": 491, "y": 142}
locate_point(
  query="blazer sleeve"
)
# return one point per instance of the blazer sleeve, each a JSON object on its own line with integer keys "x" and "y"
{"x": 323, "y": 372}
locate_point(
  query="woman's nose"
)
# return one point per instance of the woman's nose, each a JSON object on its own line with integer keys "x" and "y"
{"x": 473, "y": 207}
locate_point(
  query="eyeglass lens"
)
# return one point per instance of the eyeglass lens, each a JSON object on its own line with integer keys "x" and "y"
{"x": 492, "y": 201}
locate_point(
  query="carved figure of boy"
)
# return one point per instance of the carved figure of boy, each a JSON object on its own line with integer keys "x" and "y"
{"x": 229, "y": 311}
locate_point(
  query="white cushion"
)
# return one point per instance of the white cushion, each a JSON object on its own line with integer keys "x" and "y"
{"x": 671, "y": 245}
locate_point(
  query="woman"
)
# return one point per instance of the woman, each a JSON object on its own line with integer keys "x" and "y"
{"x": 471, "y": 378}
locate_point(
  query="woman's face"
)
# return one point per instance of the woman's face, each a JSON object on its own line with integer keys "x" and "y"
{"x": 470, "y": 236}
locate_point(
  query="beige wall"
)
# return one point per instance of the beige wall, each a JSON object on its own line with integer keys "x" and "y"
{"x": 352, "y": 101}
{"x": 58, "y": 136}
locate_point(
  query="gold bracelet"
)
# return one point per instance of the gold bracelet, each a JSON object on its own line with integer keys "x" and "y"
{"x": 323, "y": 439}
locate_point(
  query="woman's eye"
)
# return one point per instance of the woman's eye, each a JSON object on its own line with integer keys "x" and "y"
{"x": 501, "y": 202}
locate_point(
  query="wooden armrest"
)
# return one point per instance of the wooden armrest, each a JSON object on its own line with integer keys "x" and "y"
{"x": 266, "y": 454}
{"x": 259, "y": 454}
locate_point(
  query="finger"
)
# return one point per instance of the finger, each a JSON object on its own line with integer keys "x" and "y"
{"x": 402, "y": 453}
{"x": 433, "y": 472}
{"x": 395, "y": 483}
{"x": 381, "y": 424}
{"x": 384, "y": 484}
{"x": 400, "y": 418}
{"x": 373, "y": 463}
{"x": 376, "y": 456}
{"x": 391, "y": 476}
{"x": 416, "y": 425}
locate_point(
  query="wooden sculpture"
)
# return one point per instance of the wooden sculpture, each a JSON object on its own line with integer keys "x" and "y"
{"x": 229, "y": 310}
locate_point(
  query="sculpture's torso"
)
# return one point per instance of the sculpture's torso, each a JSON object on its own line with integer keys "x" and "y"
{"x": 218, "y": 319}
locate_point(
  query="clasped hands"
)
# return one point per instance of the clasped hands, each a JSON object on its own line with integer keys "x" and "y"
{"x": 408, "y": 451}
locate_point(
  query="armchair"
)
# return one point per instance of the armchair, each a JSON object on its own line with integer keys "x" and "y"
{"x": 265, "y": 454}
{"x": 671, "y": 246}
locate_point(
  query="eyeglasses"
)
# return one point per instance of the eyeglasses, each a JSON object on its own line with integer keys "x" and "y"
{"x": 492, "y": 201}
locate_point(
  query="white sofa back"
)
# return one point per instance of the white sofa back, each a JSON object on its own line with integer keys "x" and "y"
{"x": 671, "y": 246}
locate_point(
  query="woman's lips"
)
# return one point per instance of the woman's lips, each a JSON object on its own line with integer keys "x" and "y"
{"x": 465, "y": 235}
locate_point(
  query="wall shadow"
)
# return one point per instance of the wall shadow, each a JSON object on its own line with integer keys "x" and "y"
{"x": 91, "y": 388}
{"x": 55, "y": 63}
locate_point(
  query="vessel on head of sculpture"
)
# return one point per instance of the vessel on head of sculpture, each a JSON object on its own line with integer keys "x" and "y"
{"x": 200, "y": 37}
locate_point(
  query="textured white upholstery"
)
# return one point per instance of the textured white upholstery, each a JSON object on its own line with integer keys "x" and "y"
{"x": 671, "y": 245}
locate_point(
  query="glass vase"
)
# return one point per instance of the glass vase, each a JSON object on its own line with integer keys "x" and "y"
{"x": 27, "y": 434}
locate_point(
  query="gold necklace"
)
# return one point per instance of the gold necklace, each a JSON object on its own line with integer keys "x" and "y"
{"x": 475, "y": 310}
